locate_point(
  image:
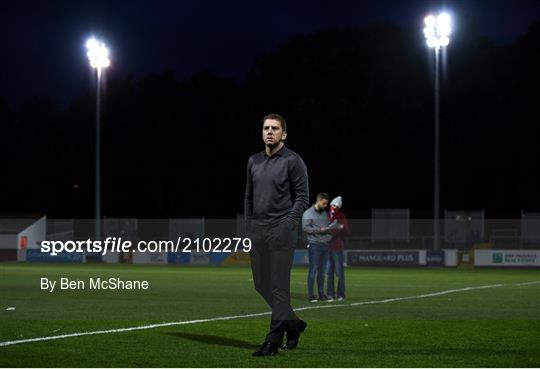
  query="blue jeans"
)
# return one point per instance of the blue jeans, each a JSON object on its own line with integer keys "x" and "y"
{"x": 335, "y": 266}
{"x": 318, "y": 259}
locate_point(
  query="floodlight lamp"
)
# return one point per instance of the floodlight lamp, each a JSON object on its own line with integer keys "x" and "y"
{"x": 98, "y": 54}
{"x": 437, "y": 30}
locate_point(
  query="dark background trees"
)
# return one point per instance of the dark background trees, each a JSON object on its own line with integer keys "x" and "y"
{"x": 359, "y": 104}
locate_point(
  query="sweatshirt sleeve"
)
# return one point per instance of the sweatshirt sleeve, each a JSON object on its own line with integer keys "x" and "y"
{"x": 248, "y": 196}
{"x": 345, "y": 231}
{"x": 307, "y": 224}
{"x": 300, "y": 189}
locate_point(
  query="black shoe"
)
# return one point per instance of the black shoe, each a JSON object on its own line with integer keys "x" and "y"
{"x": 312, "y": 299}
{"x": 266, "y": 349}
{"x": 323, "y": 298}
{"x": 294, "y": 337}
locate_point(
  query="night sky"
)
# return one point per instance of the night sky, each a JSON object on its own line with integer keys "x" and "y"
{"x": 43, "y": 41}
{"x": 190, "y": 81}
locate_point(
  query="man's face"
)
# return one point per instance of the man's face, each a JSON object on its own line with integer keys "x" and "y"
{"x": 272, "y": 132}
{"x": 321, "y": 204}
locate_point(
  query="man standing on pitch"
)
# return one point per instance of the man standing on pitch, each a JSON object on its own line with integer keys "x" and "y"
{"x": 315, "y": 222}
{"x": 276, "y": 196}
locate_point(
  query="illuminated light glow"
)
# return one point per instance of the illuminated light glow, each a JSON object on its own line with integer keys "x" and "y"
{"x": 98, "y": 54}
{"x": 443, "y": 30}
{"x": 444, "y": 19}
{"x": 429, "y": 20}
{"x": 431, "y": 42}
{"x": 429, "y": 32}
{"x": 437, "y": 31}
{"x": 444, "y": 41}
{"x": 91, "y": 43}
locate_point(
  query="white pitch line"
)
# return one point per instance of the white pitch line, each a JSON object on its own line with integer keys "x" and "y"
{"x": 128, "y": 329}
{"x": 434, "y": 294}
{"x": 527, "y": 283}
{"x": 159, "y": 325}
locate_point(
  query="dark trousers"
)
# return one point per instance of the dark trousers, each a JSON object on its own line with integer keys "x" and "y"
{"x": 272, "y": 255}
{"x": 335, "y": 266}
{"x": 318, "y": 262}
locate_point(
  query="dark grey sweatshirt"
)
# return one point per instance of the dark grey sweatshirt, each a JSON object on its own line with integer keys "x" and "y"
{"x": 276, "y": 188}
{"x": 312, "y": 222}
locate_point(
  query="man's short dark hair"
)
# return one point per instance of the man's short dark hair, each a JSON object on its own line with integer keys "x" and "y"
{"x": 277, "y": 117}
{"x": 322, "y": 196}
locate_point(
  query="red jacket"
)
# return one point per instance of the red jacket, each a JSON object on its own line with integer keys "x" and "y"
{"x": 337, "y": 242}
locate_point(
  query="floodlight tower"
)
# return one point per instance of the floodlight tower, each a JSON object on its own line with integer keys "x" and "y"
{"x": 437, "y": 32}
{"x": 98, "y": 55}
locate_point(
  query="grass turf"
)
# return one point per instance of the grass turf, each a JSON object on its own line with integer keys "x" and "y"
{"x": 497, "y": 327}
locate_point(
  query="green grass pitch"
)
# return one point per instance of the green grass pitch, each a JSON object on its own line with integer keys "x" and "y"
{"x": 497, "y": 326}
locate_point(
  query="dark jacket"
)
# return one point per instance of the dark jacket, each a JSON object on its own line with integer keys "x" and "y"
{"x": 337, "y": 242}
{"x": 276, "y": 188}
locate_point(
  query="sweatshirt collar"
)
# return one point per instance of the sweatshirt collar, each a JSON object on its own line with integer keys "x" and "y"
{"x": 280, "y": 152}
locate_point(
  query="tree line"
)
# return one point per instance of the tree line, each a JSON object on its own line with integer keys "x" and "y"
{"x": 359, "y": 106}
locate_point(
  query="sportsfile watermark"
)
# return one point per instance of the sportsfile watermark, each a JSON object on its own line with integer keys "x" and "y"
{"x": 188, "y": 270}
{"x": 117, "y": 244}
